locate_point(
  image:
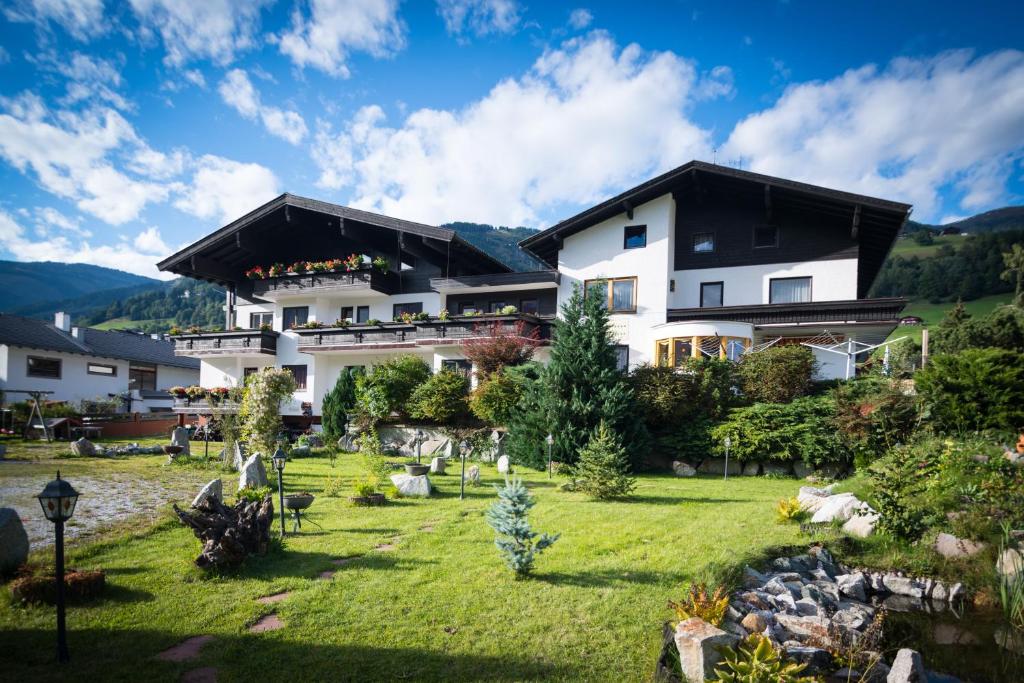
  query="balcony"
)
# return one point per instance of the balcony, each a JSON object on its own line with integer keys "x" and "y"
{"x": 311, "y": 284}
{"x": 357, "y": 337}
{"x": 232, "y": 343}
{"x": 204, "y": 407}
{"x": 435, "y": 332}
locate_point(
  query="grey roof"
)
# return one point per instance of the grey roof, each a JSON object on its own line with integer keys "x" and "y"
{"x": 40, "y": 334}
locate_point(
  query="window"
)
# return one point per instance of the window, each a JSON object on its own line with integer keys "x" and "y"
{"x": 789, "y": 290}
{"x": 294, "y": 316}
{"x": 529, "y": 306}
{"x": 634, "y": 237}
{"x": 248, "y": 371}
{"x": 362, "y": 314}
{"x": 411, "y": 308}
{"x": 711, "y": 294}
{"x": 622, "y": 357}
{"x": 619, "y": 293}
{"x": 683, "y": 349}
{"x": 43, "y": 367}
{"x": 357, "y": 314}
{"x": 703, "y": 242}
{"x": 101, "y": 369}
{"x": 467, "y": 308}
{"x": 299, "y": 373}
{"x": 258, "y": 320}
{"x": 142, "y": 376}
{"x": 348, "y": 313}
{"x": 495, "y": 306}
{"x": 766, "y": 236}
{"x": 461, "y": 366}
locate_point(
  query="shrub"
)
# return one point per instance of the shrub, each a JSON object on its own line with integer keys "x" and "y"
{"x": 897, "y": 482}
{"x": 802, "y": 430}
{"x": 386, "y": 388}
{"x": 756, "y": 660}
{"x": 496, "y": 397}
{"x": 260, "y": 412}
{"x": 778, "y": 374}
{"x": 667, "y": 396}
{"x": 516, "y": 541}
{"x": 442, "y": 398}
{"x": 1003, "y": 328}
{"x": 338, "y": 402}
{"x": 789, "y": 510}
{"x": 498, "y": 347}
{"x": 976, "y": 389}
{"x": 333, "y": 486}
{"x": 873, "y": 415}
{"x": 703, "y": 604}
{"x": 252, "y": 494}
{"x": 376, "y": 469}
{"x": 602, "y": 471}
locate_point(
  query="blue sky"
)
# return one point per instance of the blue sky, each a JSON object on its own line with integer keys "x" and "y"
{"x": 128, "y": 130}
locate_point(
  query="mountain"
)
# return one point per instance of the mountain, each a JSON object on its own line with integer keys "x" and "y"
{"x": 26, "y": 284}
{"x": 82, "y": 306}
{"x": 181, "y": 302}
{"x": 499, "y": 242}
{"x": 1006, "y": 218}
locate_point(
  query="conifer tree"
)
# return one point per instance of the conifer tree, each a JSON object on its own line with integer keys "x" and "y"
{"x": 338, "y": 402}
{"x": 603, "y": 468}
{"x": 508, "y": 517}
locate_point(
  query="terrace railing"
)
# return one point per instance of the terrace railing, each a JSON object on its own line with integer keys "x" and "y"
{"x": 373, "y": 279}
{"x": 228, "y": 343}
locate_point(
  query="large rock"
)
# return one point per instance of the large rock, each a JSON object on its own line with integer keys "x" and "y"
{"x": 253, "y": 474}
{"x": 239, "y": 457}
{"x": 699, "y": 644}
{"x": 349, "y": 443}
{"x": 802, "y": 470}
{"x": 751, "y": 469}
{"x": 473, "y": 475}
{"x": 504, "y": 466}
{"x": 950, "y": 546}
{"x": 717, "y": 466}
{"x": 861, "y": 524}
{"x": 837, "y": 508}
{"x": 212, "y": 491}
{"x": 417, "y": 486}
{"x": 816, "y": 627}
{"x": 314, "y": 441}
{"x": 179, "y": 437}
{"x": 811, "y": 499}
{"x": 904, "y": 585}
{"x": 683, "y": 469}
{"x": 13, "y": 541}
{"x": 853, "y": 585}
{"x": 83, "y": 447}
{"x": 300, "y": 452}
{"x": 1011, "y": 564}
{"x": 437, "y": 465}
{"x": 754, "y": 622}
{"x": 907, "y": 668}
{"x": 777, "y": 469}
{"x": 818, "y": 661}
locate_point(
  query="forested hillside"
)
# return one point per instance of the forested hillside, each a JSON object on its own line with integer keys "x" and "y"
{"x": 25, "y": 285}
{"x": 499, "y": 242}
{"x": 182, "y": 302}
{"x": 1006, "y": 218}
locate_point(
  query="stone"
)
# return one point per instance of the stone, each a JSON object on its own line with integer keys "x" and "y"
{"x": 775, "y": 586}
{"x": 253, "y": 474}
{"x": 837, "y": 509}
{"x": 806, "y": 607}
{"x": 777, "y": 469}
{"x": 751, "y": 469}
{"x": 349, "y": 443}
{"x": 186, "y": 650}
{"x": 753, "y": 578}
{"x": 212, "y": 491}
{"x": 717, "y": 466}
{"x": 683, "y": 469}
{"x": 699, "y": 644}
{"x": 802, "y": 470}
{"x": 270, "y": 622}
{"x": 853, "y": 585}
{"x": 437, "y": 465}
{"x": 179, "y": 437}
{"x": 314, "y": 441}
{"x": 956, "y": 593}
{"x": 785, "y": 602}
{"x": 83, "y": 448}
{"x": 818, "y": 661}
{"x": 239, "y": 457}
{"x": 951, "y": 634}
{"x": 754, "y": 622}
{"x": 300, "y": 452}
{"x": 850, "y": 618}
{"x": 13, "y": 541}
{"x": 414, "y": 486}
{"x": 861, "y": 524}
{"x": 907, "y": 668}
{"x": 811, "y": 498}
{"x": 829, "y": 471}
{"x": 504, "y": 466}
{"x": 1010, "y": 563}
{"x": 804, "y": 626}
{"x": 903, "y": 585}
{"x": 473, "y": 475}
{"x": 951, "y": 547}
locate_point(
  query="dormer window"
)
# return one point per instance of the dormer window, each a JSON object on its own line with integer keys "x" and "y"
{"x": 634, "y": 237}
{"x": 703, "y": 242}
{"x": 766, "y": 236}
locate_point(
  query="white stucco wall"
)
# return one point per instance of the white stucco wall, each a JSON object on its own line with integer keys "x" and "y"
{"x": 830, "y": 281}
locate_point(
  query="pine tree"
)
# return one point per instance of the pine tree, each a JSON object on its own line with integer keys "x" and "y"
{"x": 603, "y": 468}
{"x": 338, "y": 402}
{"x": 580, "y": 387}
{"x": 508, "y": 517}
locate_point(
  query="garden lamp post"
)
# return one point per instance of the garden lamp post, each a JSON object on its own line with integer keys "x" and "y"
{"x": 278, "y": 460}
{"x": 463, "y": 447}
{"x": 728, "y": 443}
{"x": 58, "y": 501}
{"x": 420, "y": 438}
{"x": 551, "y": 440}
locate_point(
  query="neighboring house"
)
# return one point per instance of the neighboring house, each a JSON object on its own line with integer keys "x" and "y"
{"x": 703, "y": 260}
{"x": 82, "y": 364}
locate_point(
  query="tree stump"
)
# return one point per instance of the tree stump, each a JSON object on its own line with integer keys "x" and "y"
{"x": 229, "y": 534}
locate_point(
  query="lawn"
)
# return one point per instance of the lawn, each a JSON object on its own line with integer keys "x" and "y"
{"x": 435, "y": 603}
{"x": 126, "y": 324}
{"x": 932, "y": 314}
{"x": 907, "y": 247}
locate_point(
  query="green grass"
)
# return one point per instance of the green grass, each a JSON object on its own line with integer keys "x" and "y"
{"x": 908, "y": 247}
{"x": 126, "y": 324}
{"x": 441, "y": 606}
{"x": 932, "y": 314}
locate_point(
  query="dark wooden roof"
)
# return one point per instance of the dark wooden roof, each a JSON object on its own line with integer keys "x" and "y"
{"x": 291, "y": 228}
{"x": 850, "y": 310}
{"x": 875, "y": 222}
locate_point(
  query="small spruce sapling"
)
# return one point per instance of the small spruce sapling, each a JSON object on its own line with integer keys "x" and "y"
{"x": 508, "y": 517}
{"x": 603, "y": 467}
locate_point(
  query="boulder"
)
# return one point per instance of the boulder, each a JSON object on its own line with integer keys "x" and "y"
{"x": 349, "y": 443}
{"x": 753, "y": 578}
{"x": 949, "y": 546}
{"x": 850, "y": 618}
{"x": 717, "y": 466}
{"x": 83, "y": 447}
{"x": 253, "y": 474}
{"x": 861, "y": 524}
{"x": 853, "y": 585}
{"x": 212, "y": 491}
{"x": 802, "y": 469}
{"x": 683, "y": 469}
{"x": 806, "y": 607}
{"x": 13, "y": 541}
{"x": 414, "y": 486}
{"x": 811, "y": 499}
{"x": 504, "y": 466}
{"x": 907, "y": 668}
{"x": 774, "y": 468}
{"x": 829, "y": 471}
{"x": 1010, "y": 564}
{"x": 314, "y": 441}
{"x": 699, "y": 644}
{"x": 239, "y": 456}
{"x": 804, "y": 626}
{"x": 751, "y": 469}
{"x": 179, "y": 437}
{"x": 837, "y": 508}
{"x": 300, "y": 452}
{"x": 904, "y": 585}
{"x": 473, "y": 475}
{"x": 754, "y": 622}
{"x": 437, "y": 465}
{"x": 785, "y": 602}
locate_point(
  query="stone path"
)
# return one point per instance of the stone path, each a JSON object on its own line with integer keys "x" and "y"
{"x": 269, "y": 622}
{"x": 342, "y": 561}
{"x": 327, "y": 575}
{"x": 186, "y": 650}
{"x": 271, "y": 599}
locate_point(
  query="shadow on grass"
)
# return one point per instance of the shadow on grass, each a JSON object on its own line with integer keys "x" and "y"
{"x": 383, "y": 531}
{"x": 128, "y": 655}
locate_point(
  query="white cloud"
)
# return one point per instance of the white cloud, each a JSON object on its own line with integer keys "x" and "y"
{"x": 481, "y": 17}
{"x": 47, "y": 218}
{"x": 90, "y": 78}
{"x": 83, "y": 19}
{"x": 580, "y": 18}
{"x": 201, "y": 29}
{"x": 135, "y": 256}
{"x": 238, "y": 92}
{"x": 335, "y": 28}
{"x": 588, "y": 119}
{"x": 905, "y": 132}
{"x": 225, "y": 189}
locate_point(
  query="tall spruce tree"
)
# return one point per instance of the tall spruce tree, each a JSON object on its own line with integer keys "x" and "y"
{"x": 580, "y": 387}
{"x": 338, "y": 402}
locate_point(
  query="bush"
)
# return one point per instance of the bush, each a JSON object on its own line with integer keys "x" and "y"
{"x": 873, "y": 415}
{"x": 496, "y": 397}
{"x": 386, "y": 388}
{"x": 498, "y": 347}
{"x": 689, "y": 440}
{"x": 602, "y": 471}
{"x": 442, "y": 398}
{"x": 778, "y": 374}
{"x": 518, "y": 543}
{"x": 375, "y": 467}
{"x": 666, "y": 396}
{"x": 338, "y": 402}
{"x": 802, "y": 430}
{"x": 1003, "y": 328}
{"x": 897, "y": 483}
{"x": 260, "y": 412}
{"x": 790, "y": 510}
{"x": 974, "y": 390}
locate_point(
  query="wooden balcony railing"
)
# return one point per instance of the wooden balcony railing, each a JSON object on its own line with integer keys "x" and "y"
{"x": 322, "y": 283}
{"x": 230, "y": 343}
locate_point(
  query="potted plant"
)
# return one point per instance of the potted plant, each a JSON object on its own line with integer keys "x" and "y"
{"x": 373, "y": 322}
{"x": 353, "y": 262}
{"x": 175, "y": 330}
{"x": 256, "y": 273}
{"x": 380, "y": 263}
{"x": 444, "y": 315}
{"x": 266, "y": 327}
{"x": 178, "y": 392}
{"x": 366, "y": 494}
{"x": 276, "y": 270}
{"x": 195, "y": 392}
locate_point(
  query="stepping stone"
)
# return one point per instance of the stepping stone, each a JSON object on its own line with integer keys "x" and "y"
{"x": 327, "y": 575}
{"x": 207, "y": 674}
{"x": 186, "y": 650}
{"x": 270, "y": 622}
{"x": 271, "y": 599}
{"x": 341, "y": 561}
{"x": 427, "y": 528}
{"x": 386, "y": 547}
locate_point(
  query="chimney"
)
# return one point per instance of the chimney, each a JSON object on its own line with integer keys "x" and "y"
{"x": 62, "y": 321}
{"x": 77, "y": 333}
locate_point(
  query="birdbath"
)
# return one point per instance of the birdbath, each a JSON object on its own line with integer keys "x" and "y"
{"x": 297, "y": 502}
